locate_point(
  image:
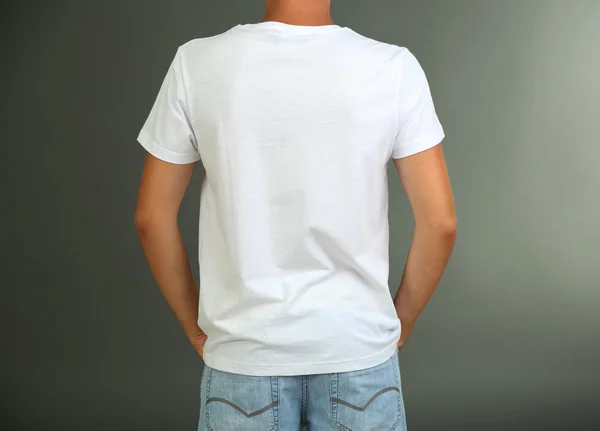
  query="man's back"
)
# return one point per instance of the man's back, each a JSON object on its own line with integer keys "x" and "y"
{"x": 295, "y": 127}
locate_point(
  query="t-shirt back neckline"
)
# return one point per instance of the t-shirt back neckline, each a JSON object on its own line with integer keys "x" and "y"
{"x": 291, "y": 28}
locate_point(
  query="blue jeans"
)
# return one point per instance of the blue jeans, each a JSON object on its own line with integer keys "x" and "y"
{"x": 369, "y": 399}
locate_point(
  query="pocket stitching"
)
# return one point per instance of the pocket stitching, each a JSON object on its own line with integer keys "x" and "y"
{"x": 362, "y": 409}
{"x": 241, "y": 410}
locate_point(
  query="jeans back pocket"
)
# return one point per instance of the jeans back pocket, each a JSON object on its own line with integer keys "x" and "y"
{"x": 368, "y": 400}
{"x": 237, "y": 402}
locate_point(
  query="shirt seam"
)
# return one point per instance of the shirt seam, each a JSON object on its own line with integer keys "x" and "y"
{"x": 425, "y": 140}
{"x": 145, "y": 135}
{"x": 186, "y": 109}
{"x": 397, "y": 106}
{"x": 412, "y": 114}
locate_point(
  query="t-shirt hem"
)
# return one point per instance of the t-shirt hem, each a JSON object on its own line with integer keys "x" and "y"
{"x": 418, "y": 146}
{"x": 162, "y": 153}
{"x": 236, "y": 367}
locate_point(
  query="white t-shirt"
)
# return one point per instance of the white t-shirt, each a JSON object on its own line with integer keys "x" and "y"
{"x": 295, "y": 126}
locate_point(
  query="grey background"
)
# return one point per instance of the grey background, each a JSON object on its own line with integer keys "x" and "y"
{"x": 511, "y": 338}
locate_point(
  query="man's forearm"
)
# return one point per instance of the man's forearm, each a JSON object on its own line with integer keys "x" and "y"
{"x": 427, "y": 259}
{"x": 167, "y": 256}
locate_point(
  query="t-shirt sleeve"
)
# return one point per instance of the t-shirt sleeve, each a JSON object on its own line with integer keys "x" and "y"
{"x": 167, "y": 133}
{"x": 418, "y": 125}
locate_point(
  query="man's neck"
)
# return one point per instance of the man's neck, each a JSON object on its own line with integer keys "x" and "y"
{"x": 305, "y": 12}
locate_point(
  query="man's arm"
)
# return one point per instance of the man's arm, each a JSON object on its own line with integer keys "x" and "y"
{"x": 424, "y": 177}
{"x": 162, "y": 189}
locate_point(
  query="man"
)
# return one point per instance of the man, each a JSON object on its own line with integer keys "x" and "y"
{"x": 295, "y": 120}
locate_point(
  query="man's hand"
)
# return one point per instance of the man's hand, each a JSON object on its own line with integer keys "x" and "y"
{"x": 198, "y": 341}
{"x": 404, "y": 335}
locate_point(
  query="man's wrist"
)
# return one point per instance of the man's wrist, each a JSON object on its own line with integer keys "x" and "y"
{"x": 193, "y": 331}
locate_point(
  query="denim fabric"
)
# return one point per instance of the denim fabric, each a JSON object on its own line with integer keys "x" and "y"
{"x": 364, "y": 400}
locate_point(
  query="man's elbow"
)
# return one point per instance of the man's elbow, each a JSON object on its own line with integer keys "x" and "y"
{"x": 142, "y": 221}
{"x": 445, "y": 227}
{"x": 448, "y": 227}
{"x": 146, "y": 221}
